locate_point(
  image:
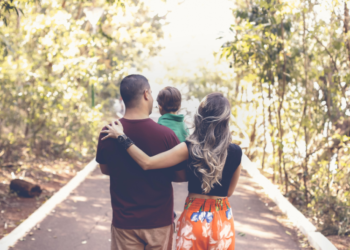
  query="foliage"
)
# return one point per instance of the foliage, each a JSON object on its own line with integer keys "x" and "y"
{"x": 292, "y": 61}
{"x": 8, "y": 7}
{"x": 52, "y": 64}
{"x": 205, "y": 81}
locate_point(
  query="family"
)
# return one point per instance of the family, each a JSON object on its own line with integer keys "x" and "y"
{"x": 143, "y": 158}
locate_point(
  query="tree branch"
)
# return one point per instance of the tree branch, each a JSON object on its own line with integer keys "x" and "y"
{"x": 329, "y": 53}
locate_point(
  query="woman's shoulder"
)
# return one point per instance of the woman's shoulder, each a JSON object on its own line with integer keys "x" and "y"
{"x": 234, "y": 149}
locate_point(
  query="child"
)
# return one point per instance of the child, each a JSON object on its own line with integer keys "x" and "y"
{"x": 169, "y": 102}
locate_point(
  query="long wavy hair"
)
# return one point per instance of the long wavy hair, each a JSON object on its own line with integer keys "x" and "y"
{"x": 210, "y": 140}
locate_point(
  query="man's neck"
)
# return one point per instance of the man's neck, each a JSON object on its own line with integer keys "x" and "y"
{"x": 135, "y": 114}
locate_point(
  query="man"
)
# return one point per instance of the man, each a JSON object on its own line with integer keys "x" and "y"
{"x": 142, "y": 201}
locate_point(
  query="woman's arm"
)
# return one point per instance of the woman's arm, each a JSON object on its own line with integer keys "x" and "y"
{"x": 234, "y": 181}
{"x": 166, "y": 159}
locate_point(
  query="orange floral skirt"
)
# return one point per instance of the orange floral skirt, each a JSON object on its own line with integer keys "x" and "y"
{"x": 206, "y": 224}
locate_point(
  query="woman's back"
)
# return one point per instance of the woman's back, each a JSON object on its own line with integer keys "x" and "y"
{"x": 233, "y": 160}
{"x": 207, "y": 220}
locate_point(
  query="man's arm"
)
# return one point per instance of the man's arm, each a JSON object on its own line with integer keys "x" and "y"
{"x": 100, "y": 156}
{"x": 104, "y": 169}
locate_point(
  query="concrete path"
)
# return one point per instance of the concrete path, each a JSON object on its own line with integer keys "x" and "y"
{"x": 83, "y": 220}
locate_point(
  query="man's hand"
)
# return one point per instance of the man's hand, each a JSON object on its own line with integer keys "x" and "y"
{"x": 113, "y": 131}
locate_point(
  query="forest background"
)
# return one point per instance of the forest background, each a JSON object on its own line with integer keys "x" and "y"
{"x": 288, "y": 83}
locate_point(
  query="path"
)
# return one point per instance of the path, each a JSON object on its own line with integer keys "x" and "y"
{"x": 83, "y": 220}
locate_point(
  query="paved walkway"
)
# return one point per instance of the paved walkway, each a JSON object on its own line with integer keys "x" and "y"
{"x": 83, "y": 220}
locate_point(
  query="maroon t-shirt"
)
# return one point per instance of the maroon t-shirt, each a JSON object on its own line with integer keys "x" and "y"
{"x": 140, "y": 199}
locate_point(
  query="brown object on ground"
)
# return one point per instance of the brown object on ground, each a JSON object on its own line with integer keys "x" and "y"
{"x": 25, "y": 188}
{"x": 49, "y": 174}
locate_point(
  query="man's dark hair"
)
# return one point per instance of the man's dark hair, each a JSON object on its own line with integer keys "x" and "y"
{"x": 170, "y": 99}
{"x": 132, "y": 88}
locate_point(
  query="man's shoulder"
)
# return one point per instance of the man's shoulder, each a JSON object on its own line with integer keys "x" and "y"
{"x": 164, "y": 130}
{"x": 151, "y": 125}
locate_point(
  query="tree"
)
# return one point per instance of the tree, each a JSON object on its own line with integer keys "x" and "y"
{"x": 50, "y": 60}
{"x": 295, "y": 57}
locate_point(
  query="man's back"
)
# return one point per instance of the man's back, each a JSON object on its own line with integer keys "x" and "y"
{"x": 140, "y": 199}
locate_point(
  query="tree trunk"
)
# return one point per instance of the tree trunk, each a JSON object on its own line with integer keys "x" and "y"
{"x": 346, "y": 29}
{"x": 252, "y": 136}
{"x": 306, "y": 169}
{"x": 305, "y": 165}
{"x": 280, "y": 126}
{"x": 264, "y": 124}
{"x": 79, "y": 12}
{"x": 271, "y": 131}
{"x": 63, "y": 4}
{"x": 0, "y": 127}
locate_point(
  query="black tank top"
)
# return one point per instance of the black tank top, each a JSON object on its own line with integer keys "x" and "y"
{"x": 233, "y": 160}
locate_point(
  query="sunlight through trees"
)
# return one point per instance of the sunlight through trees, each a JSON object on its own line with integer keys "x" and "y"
{"x": 59, "y": 74}
{"x": 292, "y": 62}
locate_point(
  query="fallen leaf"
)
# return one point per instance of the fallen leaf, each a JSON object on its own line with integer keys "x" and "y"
{"x": 288, "y": 233}
{"x": 33, "y": 238}
{"x": 49, "y": 230}
{"x": 84, "y": 242}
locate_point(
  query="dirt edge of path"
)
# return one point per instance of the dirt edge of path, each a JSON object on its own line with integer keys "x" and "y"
{"x": 50, "y": 175}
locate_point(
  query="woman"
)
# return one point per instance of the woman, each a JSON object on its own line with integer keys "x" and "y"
{"x": 214, "y": 166}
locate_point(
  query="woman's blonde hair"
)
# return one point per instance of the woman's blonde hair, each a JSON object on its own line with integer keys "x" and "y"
{"x": 210, "y": 140}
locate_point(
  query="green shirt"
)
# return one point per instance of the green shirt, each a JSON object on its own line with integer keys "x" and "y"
{"x": 176, "y": 124}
